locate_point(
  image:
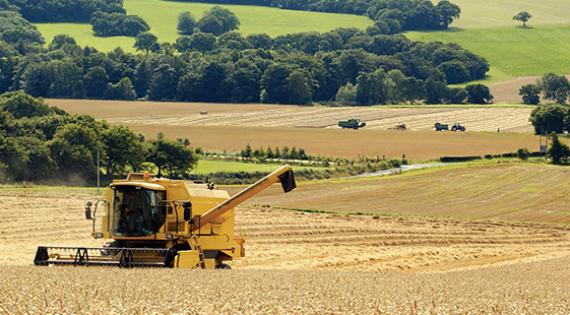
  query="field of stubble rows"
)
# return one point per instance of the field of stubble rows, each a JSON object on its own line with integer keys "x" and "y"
{"x": 296, "y": 263}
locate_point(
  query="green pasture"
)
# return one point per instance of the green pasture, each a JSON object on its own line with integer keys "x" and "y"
{"x": 512, "y": 51}
{"x": 162, "y": 16}
{"x": 84, "y": 36}
{"x": 492, "y": 13}
{"x": 486, "y": 27}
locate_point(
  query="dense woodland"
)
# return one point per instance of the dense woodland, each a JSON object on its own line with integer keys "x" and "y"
{"x": 108, "y": 17}
{"x": 210, "y": 62}
{"x": 45, "y": 144}
{"x": 347, "y": 65}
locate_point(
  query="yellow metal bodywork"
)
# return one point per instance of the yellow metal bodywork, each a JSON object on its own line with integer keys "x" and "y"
{"x": 188, "y": 259}
{"x": 204, "y": 241}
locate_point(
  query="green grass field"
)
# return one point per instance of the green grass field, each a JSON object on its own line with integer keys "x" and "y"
{"x": 487, "y": 29}
{"x": 492, "y": 13}
{"x": 512, "y": 51}
{"x": 162, "y": 16}
{"x": 84, "y": 36}
{"x": 208, "y": 166}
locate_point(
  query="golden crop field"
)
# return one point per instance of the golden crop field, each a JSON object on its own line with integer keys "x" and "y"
{"x": 417, "y": 118}
{"x": 232, "y": 127}
{"x": 529, "y": 288}
{"x": 510, "y": 191}
{"x": 477, "y": 255}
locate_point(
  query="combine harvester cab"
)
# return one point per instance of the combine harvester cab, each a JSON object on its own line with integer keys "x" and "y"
{"x": 156, "y": 222}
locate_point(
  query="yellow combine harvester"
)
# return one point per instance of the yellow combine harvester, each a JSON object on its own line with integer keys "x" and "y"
{"x": 156, "y": 222}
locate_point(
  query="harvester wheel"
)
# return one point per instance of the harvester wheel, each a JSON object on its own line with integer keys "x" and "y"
{"x": 224, "y": 266}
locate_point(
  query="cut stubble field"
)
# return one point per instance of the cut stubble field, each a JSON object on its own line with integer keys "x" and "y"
{"x": 231, "y": 127}
{"x": 503, "y": 190}
{"x": 298, "y": 262}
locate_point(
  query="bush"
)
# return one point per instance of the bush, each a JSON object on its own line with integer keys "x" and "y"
{"x": 456, "y": 96}
{"x": 523, "y": 154}
{"x": 530, "y": 94}
{"x": 479, "y": 94}
{"x": 118, "y": 24}
{"x": 123, "y": 90}
{"x": 186, "y": 23}
{"x": 549, "y": 118}
{"x": 455, "y": 72}
{"x": 346, "y": 94}
{"x": 452, "y": 159}
{"x": 218, "y": 20}
{"x": 555, "y": 87}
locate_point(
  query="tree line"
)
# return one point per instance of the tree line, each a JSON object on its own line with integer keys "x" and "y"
{"x": 390, "y": 16}
{"x": 554, "y": 88}
{"x": 285, "y": 153}
{"x": 553, "y": 116}
{"x": 45, "y": 144}
{"x": 296, "y": 68}
{"x": 107, "y": 17}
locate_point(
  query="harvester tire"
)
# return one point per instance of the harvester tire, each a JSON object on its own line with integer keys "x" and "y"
{"x": 224, "y": 266}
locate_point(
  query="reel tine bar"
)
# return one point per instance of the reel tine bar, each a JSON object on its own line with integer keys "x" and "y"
{"x": 108, "y": 256}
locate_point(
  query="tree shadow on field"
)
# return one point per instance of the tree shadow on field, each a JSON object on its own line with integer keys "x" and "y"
{"x": 449, "y": 30}
{"x": 528, "y": 27}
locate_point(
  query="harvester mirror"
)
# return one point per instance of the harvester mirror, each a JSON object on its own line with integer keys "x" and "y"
{"x": 187, "y": 211}
{"x": 88, "y": 210}
{"x": 287, "y": 181}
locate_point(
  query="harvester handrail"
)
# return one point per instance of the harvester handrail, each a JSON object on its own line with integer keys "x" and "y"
{"x": 105, "y": 203}
{"x": 243, "y": 195}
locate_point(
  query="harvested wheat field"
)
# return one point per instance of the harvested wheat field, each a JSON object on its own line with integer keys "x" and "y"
{"x": 231, "y": 127}
{"x": 417, "y": 145}
{"x": 418, "y": 118}
{"x": 300, "y": 263}
{"x": 508, "y": 191}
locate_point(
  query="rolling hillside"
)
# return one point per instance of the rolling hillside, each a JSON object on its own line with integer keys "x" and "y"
{"x": 520, "y": 192}
{"x": 487, "y": 29}
{"x": 162, "y": 17}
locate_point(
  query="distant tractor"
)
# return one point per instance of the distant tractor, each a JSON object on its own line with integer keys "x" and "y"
{"x": 352, "y": 123}
{"x": 458, "y": 127}
{"x": 400, "y": 126}
{"x": 441, "y": 127}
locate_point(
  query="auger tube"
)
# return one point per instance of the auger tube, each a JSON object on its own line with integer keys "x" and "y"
{"x": 283, "y": 174}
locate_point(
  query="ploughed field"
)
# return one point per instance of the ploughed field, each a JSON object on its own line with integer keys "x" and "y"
{"x": 219, "y": 127}
{"x": 338, "y": 262}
